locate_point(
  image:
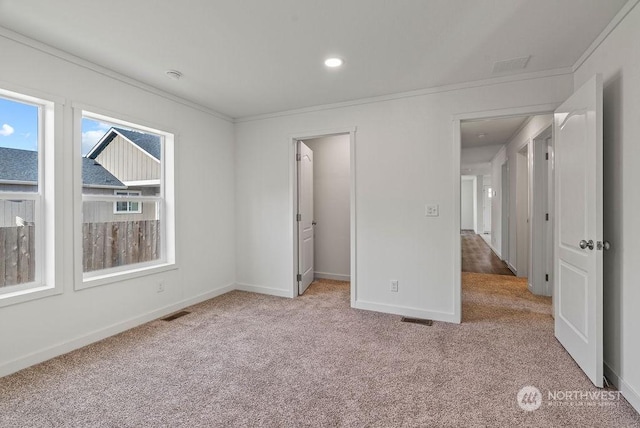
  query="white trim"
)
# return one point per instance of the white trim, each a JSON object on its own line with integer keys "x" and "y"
{"x": 605, "y": 33}
{"x": 47, "y": 214}
{"x": 103, "y": 333}
{"x": 166, "y": 202}
{"x": 628, "y": 392}
{"x": 333, "y": 276}
{"x": 264, "y": 290}
{"x": 407, "y": 311}
{"x": 293, "y": 198}
{"x": 142, "y": 183}
{"x": 124, "y": 273}
{"x": 65, "y": 56}
{"x": 410, "y": 94}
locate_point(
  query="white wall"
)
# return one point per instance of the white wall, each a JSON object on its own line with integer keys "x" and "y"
{"x": 533, "y": 127}
{"x": 618, "y": 59}
{"x": 486, "y": 211}
{"x": 496, "y": 204}
{"x": 467, "y": 221}
{"x": 331, "y": 206}
{"x": 204, "y": 153}
{"x": 479, "y": 186}
{"x": 404, "y": 158}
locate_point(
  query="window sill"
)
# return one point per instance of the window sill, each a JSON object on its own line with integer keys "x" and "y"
{"x": 97, "y": 279}
{"x": 27, "y": 294}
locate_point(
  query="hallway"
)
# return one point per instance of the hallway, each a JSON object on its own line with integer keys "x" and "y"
{"x": 478, "y": 257}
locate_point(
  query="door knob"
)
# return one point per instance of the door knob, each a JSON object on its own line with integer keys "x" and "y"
{"x": 586, "y": 244}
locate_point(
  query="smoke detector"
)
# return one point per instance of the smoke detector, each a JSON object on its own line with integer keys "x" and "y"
{"x": 173, "y": 74}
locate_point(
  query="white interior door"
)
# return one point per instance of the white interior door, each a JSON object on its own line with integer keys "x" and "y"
{"x": 486, "y": 215}
{"x": 305, "y": 217}
{"x": 578, "y": 227}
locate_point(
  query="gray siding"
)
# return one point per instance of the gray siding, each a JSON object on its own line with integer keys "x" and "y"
{"x": 128, "y": 162}
{"x": 10, "y": 209}
{"x": 102, "y": 212}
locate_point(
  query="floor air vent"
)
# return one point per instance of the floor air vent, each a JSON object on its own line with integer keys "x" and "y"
{"x": 175, "y": 316}
{"x": 417, "y": 321}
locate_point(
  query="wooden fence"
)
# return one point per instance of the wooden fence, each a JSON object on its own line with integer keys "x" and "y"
{"x": 105, "y": 245}
{"x": 17, "y": 249}
{"x": 120, "y": 243}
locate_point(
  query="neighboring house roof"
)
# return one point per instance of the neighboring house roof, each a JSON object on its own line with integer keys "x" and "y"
{"x": 94, "y": 174}
{"x": 22, "y": 166}
{"x": 18, "y": 165}
{"x": 148, "y": 142}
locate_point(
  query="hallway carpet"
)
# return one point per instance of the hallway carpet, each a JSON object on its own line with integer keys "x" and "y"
{"x": 478, "y": 257}
{"x": 246, "y": 359}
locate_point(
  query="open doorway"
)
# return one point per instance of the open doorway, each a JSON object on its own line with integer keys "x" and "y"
{"x": 324, "y": 219}
{"x": 505, "y": 159}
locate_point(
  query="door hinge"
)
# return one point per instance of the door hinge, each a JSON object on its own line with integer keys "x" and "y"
{"x": 546, "y": 156}
{"x": 298, "y": 157}
{"x": 546, "y": 277}
{"x": 298, "y": 217}
{"x": 299, "y": 278}
{"x": 547, "y": 216}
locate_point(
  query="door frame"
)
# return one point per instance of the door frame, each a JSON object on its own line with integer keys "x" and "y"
{"x": 293, "y": 202}
{"x": 531, "y": 110}
{"x": 540, "y": 184}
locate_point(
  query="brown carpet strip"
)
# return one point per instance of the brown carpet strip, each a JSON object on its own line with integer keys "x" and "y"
{"x": 246, "y": 359}
{"x": 478, "y": 257}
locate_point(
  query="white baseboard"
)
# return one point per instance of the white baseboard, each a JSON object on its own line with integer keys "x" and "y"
{"x": 630, "y": 394}
{"x": 333, "y": 276}
{"x": 512, "y": 269}
{"x": 406, "y": 311}
{"x": 264, "y": 290}
{"x": 95, "y": 336}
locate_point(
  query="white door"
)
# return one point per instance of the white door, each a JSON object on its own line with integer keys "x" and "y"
{"x": 305, "y": 217}
{"x": 578, "y": 227}
{"x": 486, "y": 215}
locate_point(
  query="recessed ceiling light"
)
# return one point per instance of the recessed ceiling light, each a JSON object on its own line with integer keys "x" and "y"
{"x": 333, "y": 62}
{"x": 173, "y": 74}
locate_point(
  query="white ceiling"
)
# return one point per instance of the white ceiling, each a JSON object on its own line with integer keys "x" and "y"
{"x": 491, "y": 132}
{"x": 251, "y": 57}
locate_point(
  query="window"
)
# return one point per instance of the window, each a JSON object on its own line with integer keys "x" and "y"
{"x": 127, "y": 199}
{"x": 26, "y": 264}
{"x": 127, "y": 206}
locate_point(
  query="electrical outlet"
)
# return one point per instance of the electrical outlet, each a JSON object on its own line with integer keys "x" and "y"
{"x": 394, "y": 285}
{"x": 432, "y": 210}
{"x": 160, "y": 287}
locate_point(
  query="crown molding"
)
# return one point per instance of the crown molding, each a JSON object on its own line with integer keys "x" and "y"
{"x": 605, "y": 33}
{"x": 416, "y": 93}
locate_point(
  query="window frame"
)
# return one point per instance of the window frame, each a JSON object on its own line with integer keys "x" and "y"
{"x": 47, "y": 217}
{"x": 128, "y": 202}
{"x": 164, "y": 201}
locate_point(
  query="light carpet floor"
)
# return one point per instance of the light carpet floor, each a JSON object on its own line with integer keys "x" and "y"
{"x": 245, "y": 359}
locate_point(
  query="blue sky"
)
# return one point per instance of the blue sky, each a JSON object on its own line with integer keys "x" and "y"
{"x": 19, "y": 127}
{"x": 92, "y": 131}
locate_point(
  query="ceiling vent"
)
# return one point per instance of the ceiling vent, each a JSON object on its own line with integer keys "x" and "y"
{"x": 513, "y": 64}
